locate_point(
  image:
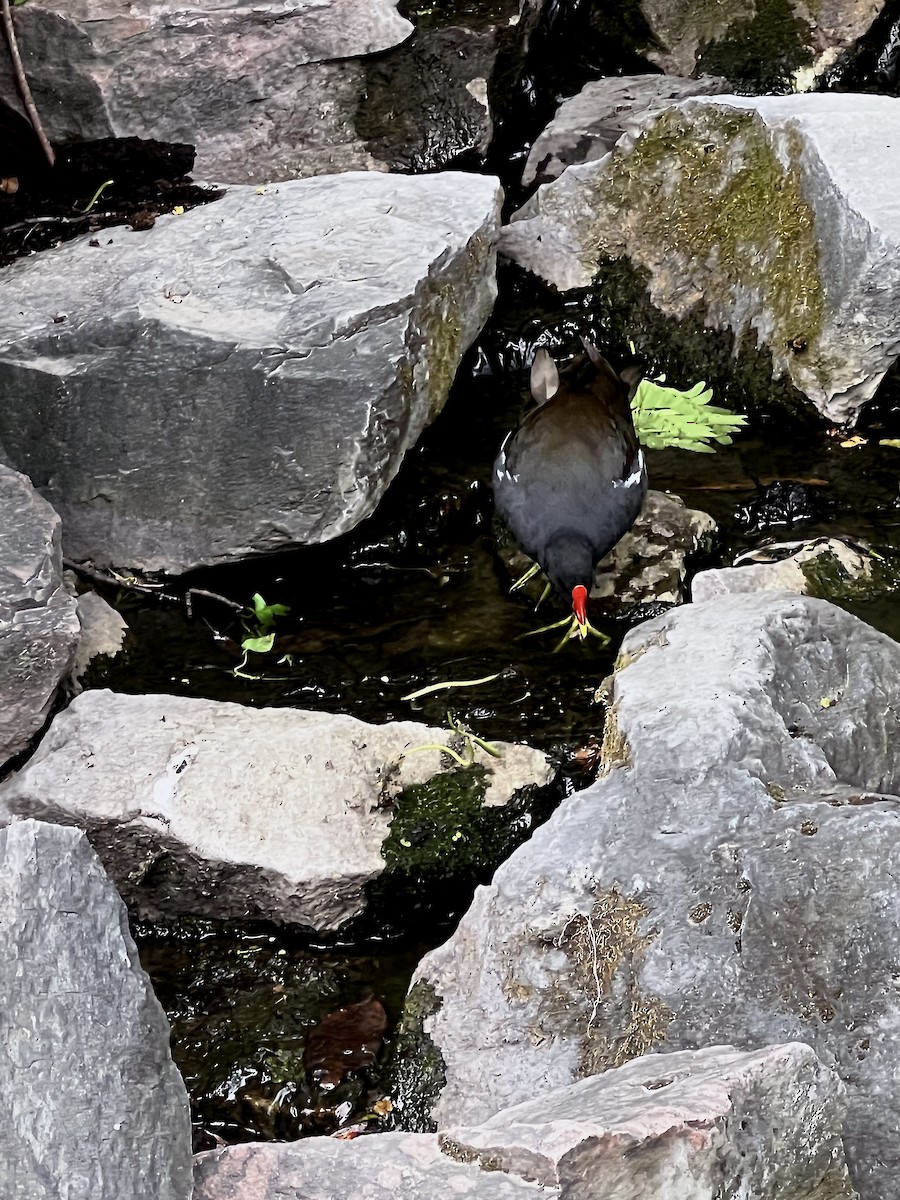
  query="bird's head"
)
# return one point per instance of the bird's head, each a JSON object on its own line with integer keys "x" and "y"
{"x": 569, "y": 565}
{"x": 579, "y": 604}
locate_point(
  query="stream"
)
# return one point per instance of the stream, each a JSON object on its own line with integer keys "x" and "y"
{"x": 416, "y": 596}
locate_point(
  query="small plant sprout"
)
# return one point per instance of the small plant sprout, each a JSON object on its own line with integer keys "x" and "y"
{"x": 469, "y": 739}
{"x": 259, "y": 627}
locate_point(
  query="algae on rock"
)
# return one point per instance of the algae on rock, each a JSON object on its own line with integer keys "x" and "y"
{"x": 710, "y": 192}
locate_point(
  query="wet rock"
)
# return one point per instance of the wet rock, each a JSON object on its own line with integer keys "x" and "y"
{"x": 428, "y": 103}
{"x": 825, "y": 567}
{"x": 382, "y": 1167}
{"x": 647, "y": 566}
{"x": 201, "y": 808}
{"x": 730, "y": 880}
{"x": 93, "y": 1104}
{"x": 765, "y": 1123}
{"x": 777, "y": 227}
{"x": 756, "y": 45}
{"x": 587, "y": 126}
{"x": 38, "y": 624}
{"x": 264, "y": 91}
{"x": 103, "y": 631}
{"x": 247, "y": 376}
{"x": 336, "y": 85}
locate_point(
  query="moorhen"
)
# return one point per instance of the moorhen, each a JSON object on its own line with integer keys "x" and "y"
{"x": 570, "y": 480}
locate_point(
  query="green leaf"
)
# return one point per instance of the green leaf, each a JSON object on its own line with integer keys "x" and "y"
{"x": 260, "y": 645}
{"x": 685, "y": 420}
{"x": 265, "y": 614}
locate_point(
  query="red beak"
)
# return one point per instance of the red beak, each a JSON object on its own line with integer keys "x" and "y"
{"x": 579, "y": 602}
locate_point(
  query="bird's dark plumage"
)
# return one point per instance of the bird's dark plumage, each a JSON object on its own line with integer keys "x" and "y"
{"x": 570, "y": 480}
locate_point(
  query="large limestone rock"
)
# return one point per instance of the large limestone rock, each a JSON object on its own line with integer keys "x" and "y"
{"x": 772, "y": 216}
{"x": 39, "y": 626}
{"x": 694, "y": 1124}
{"x": 275, "y": 90}
{"x": 209, "y": 809}
{"x": 691, "y": 1125}
{"x": 93, "y": 1106}
{"x": 732, "y": 879}
{"x": 247, "y": 376}
{"x": 264, "y": 90}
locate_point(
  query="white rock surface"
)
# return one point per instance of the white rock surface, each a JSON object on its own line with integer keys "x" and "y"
{"x": 205, "y": 808}
{"x": 388, "y": 1166}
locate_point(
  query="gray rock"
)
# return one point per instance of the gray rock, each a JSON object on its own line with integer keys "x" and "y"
{"x": 210, "y": 809}
{"x": 810, "y": 37}
{"x": 694, "y": 1124}
{"x": 776, "y": 226}
{"x": 94, "y": 1108}
{"x": 815, "y": 568}
{"x": 730, "y": 880}
{"x": 264, "y": 90}
{"x": 389, "y": 1166}
{"x": 649, "y": 564}
{"x": 102, "y": 632}
{"x": 426, "y": 103}
{"x": 587, "y": 126}
{"x": 247, "y": 376}
{"x": 38, "y": 623}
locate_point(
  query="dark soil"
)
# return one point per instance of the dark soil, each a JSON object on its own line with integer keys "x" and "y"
{"x": 115, "y": 181}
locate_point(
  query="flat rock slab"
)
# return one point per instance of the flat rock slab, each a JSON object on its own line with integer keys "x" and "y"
{"x": 210, "y": 809}
{"x": 94, "y": 1108}
{"x": 821, "y": 567}
{"x": 248, "y": 376}
{"x": 775, "y": 225}
{"x": 388, "y": 1166}
{"x": 731, "y": 880}
{"x": 264, "y": 89}
{"x": 39, "y": 627}
{"x": 693, "y": 1124}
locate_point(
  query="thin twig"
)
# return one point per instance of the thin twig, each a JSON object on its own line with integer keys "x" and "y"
{"x": 94, "y": 216}
{"x": 22, "y": 81}
{"x": 149, "y": 589}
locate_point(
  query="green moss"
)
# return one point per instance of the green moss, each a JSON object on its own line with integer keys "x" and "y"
{"x": 415, "y": 1073}
{"x": 828, "y": 579}
{"x": 760, "y": 53}
{"x": 440, "y": 827}
{"x": 709, "y": 189}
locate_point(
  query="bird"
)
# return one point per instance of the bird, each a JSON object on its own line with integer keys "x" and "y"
{"x": 570, "y": 480}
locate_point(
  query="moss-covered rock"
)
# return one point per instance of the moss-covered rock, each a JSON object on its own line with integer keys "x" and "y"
{"x": 762, "y": 217}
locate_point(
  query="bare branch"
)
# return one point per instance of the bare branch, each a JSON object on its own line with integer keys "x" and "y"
{"x": 21, "y": 80}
